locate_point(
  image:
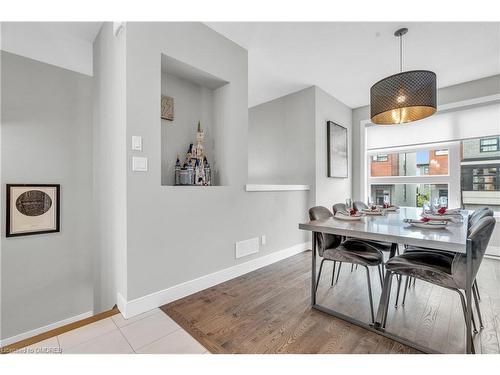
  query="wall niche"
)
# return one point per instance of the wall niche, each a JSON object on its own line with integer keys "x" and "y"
{"x": 197, "y": 97}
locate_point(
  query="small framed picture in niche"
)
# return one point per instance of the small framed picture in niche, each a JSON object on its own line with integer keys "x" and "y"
{"x": 167, "y": 108}
{"x": 32, "y": 209}
{"x": 337, "y": 161}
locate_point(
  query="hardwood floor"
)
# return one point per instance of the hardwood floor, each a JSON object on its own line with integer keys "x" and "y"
{"x": 268, "y": 311}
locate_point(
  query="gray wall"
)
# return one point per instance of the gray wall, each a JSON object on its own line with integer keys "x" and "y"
{"x": 281, "y": 140}
{"x": 46, "y": 138}
{"x": 328, "y": 190}
{"x": 109, "y": 158}
{"x": 177, "y": 234}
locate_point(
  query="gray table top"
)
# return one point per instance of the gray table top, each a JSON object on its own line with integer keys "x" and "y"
{"x": 392, "y": 228}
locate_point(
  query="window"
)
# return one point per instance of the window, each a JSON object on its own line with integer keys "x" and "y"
{"x": 379, "y": 158}
{"x": 418, "y": 163}
{"x": 480, "y": 173}
{"x": 489, "y": 144}
{"x": 415, "y": 176}
{"x": 410, "y": 195}
{"x": 441, "y": 152}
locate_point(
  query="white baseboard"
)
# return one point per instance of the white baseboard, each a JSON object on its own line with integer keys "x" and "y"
{"x": 157, "y": 299}
{"x": 37, "y": 331}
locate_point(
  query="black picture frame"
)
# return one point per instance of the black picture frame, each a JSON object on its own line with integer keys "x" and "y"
{"x": 337, "y": 150}
{"x": 57, "y": 210}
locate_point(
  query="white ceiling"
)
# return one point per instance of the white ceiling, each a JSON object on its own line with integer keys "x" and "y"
{"x": 345, "y": 59}
{"x": 64, "y": 44}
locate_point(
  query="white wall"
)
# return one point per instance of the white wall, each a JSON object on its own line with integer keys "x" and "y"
{"x": 109, "y": 162}
{"x": 48, "y": 42}
{"x": 46, "y": 134}
{"x": 281, "y": 140}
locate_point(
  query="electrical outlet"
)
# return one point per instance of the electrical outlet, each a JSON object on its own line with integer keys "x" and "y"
{"x": 263, "y": 240}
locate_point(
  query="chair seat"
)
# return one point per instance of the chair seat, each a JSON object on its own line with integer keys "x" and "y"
{"x": 382, "y": 246}
{"x": 434, "y": 267}
{"x": 411, "y": 249}
{"x": 355, "y": 251}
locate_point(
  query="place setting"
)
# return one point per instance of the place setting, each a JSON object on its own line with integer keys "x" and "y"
{"x": 436, "y": 218}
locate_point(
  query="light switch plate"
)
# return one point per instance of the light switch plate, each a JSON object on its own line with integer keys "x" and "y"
{"x": 136, "y": 143}
{"x": 139, "y": 164}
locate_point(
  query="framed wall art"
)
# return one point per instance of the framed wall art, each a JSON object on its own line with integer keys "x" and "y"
{"x": 337, "y": 150}
{"x": 167, "y": 108}
{"x": 32, "y": 209}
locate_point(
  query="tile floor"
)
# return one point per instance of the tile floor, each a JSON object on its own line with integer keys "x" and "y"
{"x": 150, "y": 333}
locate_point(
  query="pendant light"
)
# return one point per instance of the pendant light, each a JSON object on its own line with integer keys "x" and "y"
{"x": 403, "y": 97}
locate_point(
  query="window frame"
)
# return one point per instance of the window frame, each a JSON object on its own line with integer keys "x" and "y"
{"x": 496, "y": 144}
{"x": 452, "y": 179}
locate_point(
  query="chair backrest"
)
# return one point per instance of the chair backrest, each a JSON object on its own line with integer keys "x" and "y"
{"x": 358, "y": 206}
{"x": 478, "y": 215}
{"x": 479, "y": 234}
{"x": 339, "y": 207}
{"x": 323, "y": 240}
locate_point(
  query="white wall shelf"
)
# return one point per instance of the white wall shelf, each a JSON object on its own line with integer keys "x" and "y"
{"x": 261, "y": 187}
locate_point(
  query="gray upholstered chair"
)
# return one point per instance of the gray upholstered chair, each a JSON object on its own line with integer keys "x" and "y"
{"x": 446, "y": 269}
{"x": 358, "y": 206}
{"x": 473, "y": 219}
{"x": 330, "y": 247}
{"x": 380, "y": 245}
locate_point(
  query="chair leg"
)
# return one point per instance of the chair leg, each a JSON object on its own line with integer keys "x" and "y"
{"x": 338, "y": 273}
{"x": 370, "y": 293}
{"x": 476, "y": 301}
{"x": 477, "y": 290}
{"x": 388, "y": 302}
{"x": 464, "y": 309}
{"x": 319, "y": 273}
{"x": 406, "y": 289}
{"x": 352, "y": 267}
{"x": 333, "y": 272}
{"x": 414, "y": 281}
{"x": 397, "y": 292}
{"x": 379, "y": 267}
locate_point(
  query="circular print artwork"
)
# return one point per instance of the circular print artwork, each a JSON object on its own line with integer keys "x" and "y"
{"x": 33, "y": 203}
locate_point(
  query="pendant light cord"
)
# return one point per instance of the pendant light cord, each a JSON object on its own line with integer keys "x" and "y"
{"x": 400, "y": 53}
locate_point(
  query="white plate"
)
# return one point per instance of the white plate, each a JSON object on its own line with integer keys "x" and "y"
{"x": 367, "y": 212}
{"x": 348, "y": 218}
{"x": 390, "y": 208}
{"x": 440, "y": 217}
{"x": 428, "y": 226}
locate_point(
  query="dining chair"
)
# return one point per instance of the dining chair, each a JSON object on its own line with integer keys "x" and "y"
{"x": 447, "y": 270}
{"x": 380, "y": 245}
{"x": 473, "y": 219}
{"x": 330, "y": 247}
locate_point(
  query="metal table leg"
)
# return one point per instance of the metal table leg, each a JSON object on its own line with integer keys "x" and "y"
{"x": 313, "y": 270}
{"x": 386, "y": 292}
{"x": 468, "y": 296}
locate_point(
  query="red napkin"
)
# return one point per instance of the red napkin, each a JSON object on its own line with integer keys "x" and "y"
{"x": 352, "y": 212}
{"x": 425, "y": 219}
{"x": 442, "y": 210}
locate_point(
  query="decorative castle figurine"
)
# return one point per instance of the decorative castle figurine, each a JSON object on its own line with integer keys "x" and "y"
{"x": 196, "y": 169}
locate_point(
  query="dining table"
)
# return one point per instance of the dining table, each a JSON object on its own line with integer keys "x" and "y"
{"x": 392, "y": 227}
